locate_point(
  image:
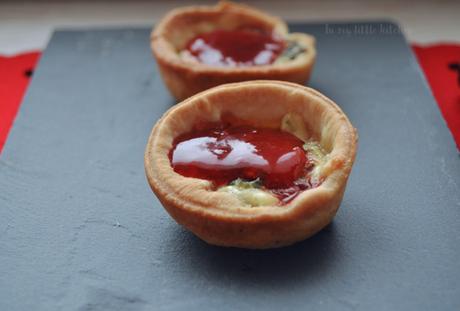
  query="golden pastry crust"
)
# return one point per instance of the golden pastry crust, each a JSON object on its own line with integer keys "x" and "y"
{"x": 220, "y": 218}
{"x": 185, "y": 78}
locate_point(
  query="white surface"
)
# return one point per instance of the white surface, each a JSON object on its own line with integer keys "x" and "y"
{"x": 28, "y": 25}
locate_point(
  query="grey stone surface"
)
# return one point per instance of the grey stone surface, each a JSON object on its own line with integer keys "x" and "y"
{"x": 81, "y": 230}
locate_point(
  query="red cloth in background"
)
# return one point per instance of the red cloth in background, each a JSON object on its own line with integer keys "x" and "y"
{"x": 444, "y": 82}
{"x": 15, "y": 75}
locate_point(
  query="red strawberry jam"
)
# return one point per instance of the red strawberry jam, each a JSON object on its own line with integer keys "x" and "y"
{"x": 225, "y": 154}
{"x": 235, "y": 48}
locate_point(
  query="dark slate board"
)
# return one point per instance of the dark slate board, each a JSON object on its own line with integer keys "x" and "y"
{"x": 81, "y": 230}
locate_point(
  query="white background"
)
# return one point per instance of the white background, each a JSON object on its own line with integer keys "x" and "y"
{"x": 28, "y": 25}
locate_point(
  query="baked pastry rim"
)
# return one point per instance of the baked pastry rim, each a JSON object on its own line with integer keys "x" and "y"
{"x": 165, "y": 53}
{"x": 226, "y": 207}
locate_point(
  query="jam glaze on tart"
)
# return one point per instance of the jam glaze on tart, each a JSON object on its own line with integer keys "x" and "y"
{"x": 248, "y": 161}
{"x": 225, "y": 215}
{"x": 241, "y": 48}
{"x": 192, "y": 56}
{"x": 235, "y": 48}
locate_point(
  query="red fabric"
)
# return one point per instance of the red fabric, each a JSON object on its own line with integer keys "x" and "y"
{"x": 14, "y": 78}
{"x": 435, "y": 61}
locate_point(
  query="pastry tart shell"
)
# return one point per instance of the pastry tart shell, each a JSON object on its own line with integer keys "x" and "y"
{"x": 186, "y": 78}
{"x": 220, "y": 218}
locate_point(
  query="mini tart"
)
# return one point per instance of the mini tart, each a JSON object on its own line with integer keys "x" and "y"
{"x": 185, "y": 78}
{"x": 220, "y": 218}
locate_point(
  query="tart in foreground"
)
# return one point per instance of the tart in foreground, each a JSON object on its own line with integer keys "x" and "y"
{"x": 200, "y": 47}
{"x": 256, "y": 164}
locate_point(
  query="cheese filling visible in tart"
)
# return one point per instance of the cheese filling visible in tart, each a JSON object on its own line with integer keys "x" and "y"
{"x": 240, "y": 48}
{"x": 261, "y": 166}
{"x": 292, "y": 50}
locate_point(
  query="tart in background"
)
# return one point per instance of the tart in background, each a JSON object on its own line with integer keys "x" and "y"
{"x": 177, "y": 44}
{"x": 251, "y": 211}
